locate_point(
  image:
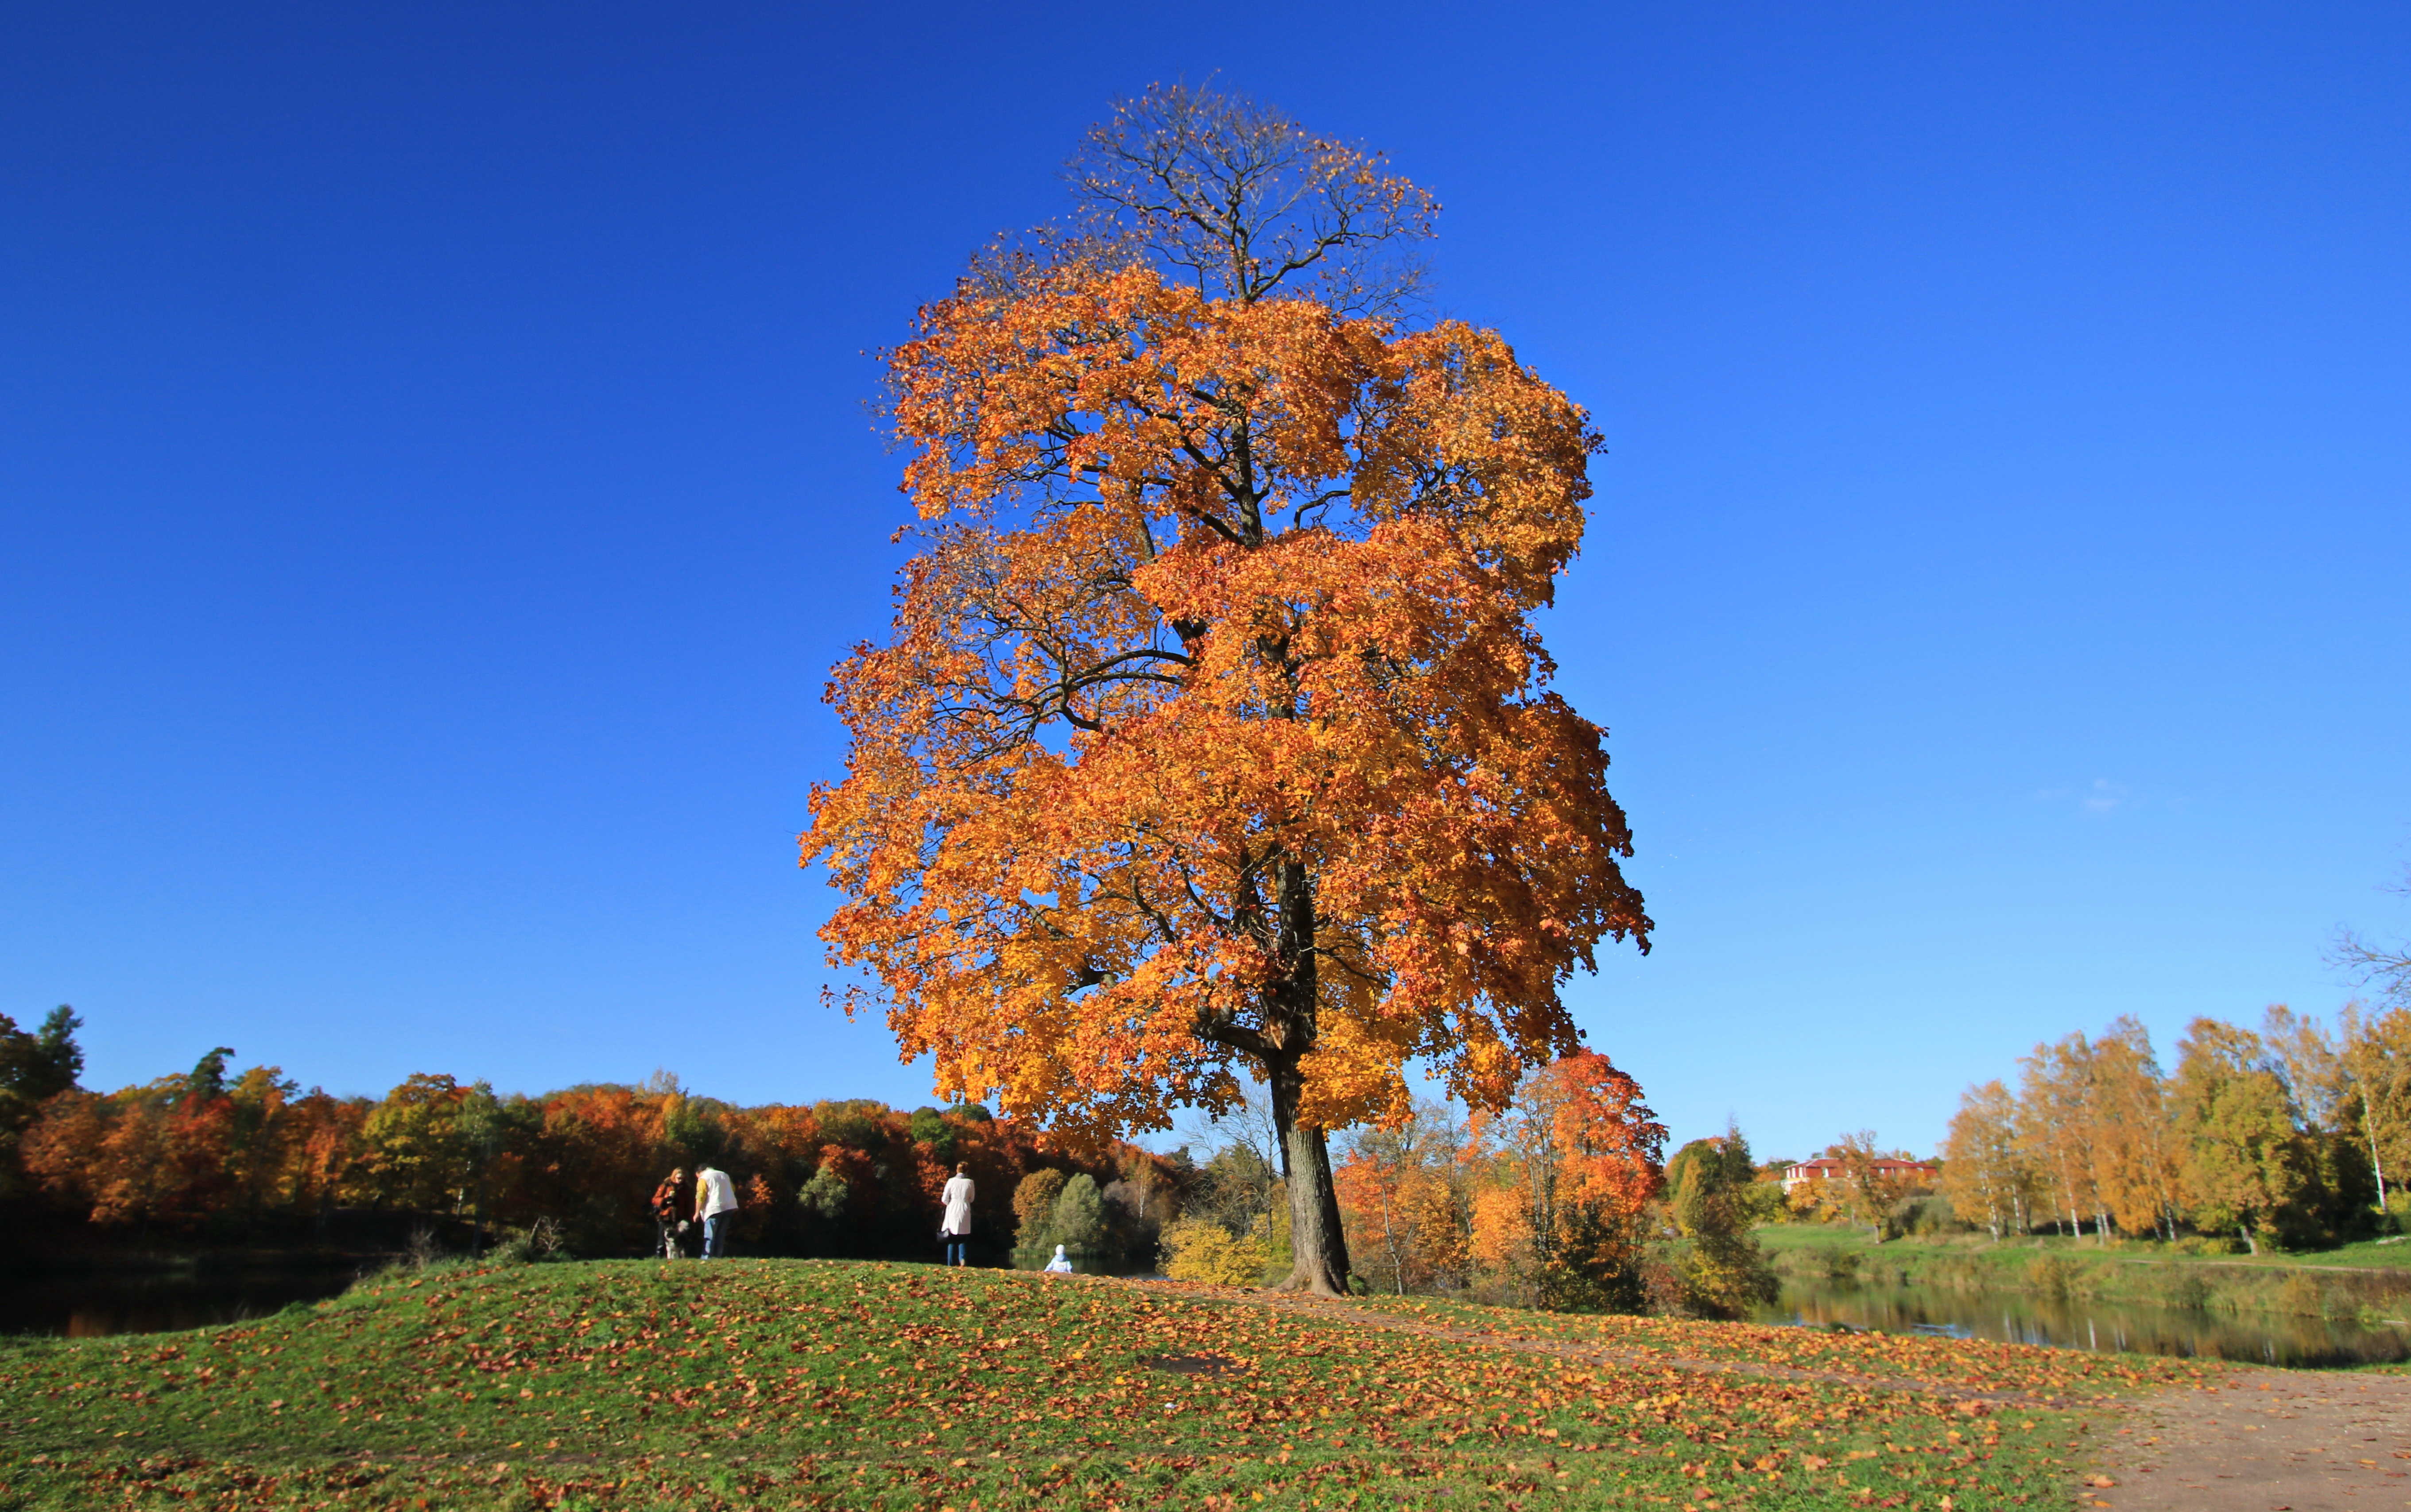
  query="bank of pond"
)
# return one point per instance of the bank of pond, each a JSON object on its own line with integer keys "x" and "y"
{"x": 93, "y": 1305}
{"x": 2134, "y": 1298}
{"x": 2075, "y": 1323}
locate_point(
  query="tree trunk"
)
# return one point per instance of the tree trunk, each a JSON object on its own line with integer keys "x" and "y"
{"x": 1318, "y": 1246}
{"x": 2377, "y": 1162}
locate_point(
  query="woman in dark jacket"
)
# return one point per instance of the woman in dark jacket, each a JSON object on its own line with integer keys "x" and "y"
{"x": 667, "y": 1201}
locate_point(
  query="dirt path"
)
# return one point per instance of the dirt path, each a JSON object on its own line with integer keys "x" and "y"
{"x": 2270, "y": 1441}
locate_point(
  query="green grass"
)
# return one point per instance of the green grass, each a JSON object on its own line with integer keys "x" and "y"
{"x": 830, "y": 1384}
{"x": 2327, "y": 1283}
{"x": 2364, "y": 1254}
{"x": 2367, "y": 1253}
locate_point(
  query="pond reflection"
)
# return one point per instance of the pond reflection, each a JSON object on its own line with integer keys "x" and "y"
{"x": 93, "y": 1306}
{"x": 2020, "y": 1317}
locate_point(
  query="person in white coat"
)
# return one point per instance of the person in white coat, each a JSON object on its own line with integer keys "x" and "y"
{"x": 955, "y": 1233}
{"x": 1060, "y": 1264}
{"x": 715, "y": 1204}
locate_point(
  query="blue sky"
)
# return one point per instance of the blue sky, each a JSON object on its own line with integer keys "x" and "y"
{"x": 435, "y": 481}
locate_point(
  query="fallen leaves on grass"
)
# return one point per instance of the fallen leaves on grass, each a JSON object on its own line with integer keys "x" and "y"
{"x": 830, "y": 1384}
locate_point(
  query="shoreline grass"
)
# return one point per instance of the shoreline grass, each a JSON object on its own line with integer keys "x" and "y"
{"x": 2388, "y": 1253}
{"x": 2130, "y": 1271}
{"x": 629, "y": 1383}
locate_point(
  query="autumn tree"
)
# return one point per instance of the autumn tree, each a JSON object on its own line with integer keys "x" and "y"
{"x": 2134, "y": 1145}
{"x": 1404, "y": 1214}
{"x": 1585, "y": 1156}
{"x": 2350, "y": 1087}
{"x": 1214, "y": 736}
{"x": 2374, "y": 1058}
{"x": 2383, "y": 967}
{"x": 2055, "y": 1100}
{"x": 1985, "y": 1165}
{"x": 163, "y": 1153}
{"x": 1870, "y": 1186}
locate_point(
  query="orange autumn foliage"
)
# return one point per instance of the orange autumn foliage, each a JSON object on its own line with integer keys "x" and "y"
{"x": 254, "y": 1157}
{"x": 1577, "y": 1160}
{"x": 1213, "y": 734}
{"x": 1607, "y": 1146}
{"x": 1502, "y": 1233}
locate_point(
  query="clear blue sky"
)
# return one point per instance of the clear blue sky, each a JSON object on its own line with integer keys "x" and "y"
{"x": 435, "y": 481}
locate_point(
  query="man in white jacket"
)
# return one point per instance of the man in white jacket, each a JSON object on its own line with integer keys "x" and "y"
{"x": 715, "y": 1203}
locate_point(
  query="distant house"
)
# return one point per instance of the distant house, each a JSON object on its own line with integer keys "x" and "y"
{"x": 1909, "y": 1172}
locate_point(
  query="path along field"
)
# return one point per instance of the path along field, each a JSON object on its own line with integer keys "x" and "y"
{"x": 776, "y": 1384}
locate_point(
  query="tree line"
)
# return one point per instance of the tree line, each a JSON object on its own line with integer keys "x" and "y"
{"x": 1553, "y": 1203}
{"x": 216, "y": 1156}
{"x": 2295, "y": 1134}
{"x": 1563, "y": 1200}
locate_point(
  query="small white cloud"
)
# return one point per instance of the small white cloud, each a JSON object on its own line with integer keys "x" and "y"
{"x": 2105, "y": 796}
{"x": 2099, "y": 796}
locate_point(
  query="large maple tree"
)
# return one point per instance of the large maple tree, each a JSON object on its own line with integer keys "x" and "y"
{"x": 1214, "y": 736}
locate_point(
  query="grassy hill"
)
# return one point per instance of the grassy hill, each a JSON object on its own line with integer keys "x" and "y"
{"x": 744, "y": 1384}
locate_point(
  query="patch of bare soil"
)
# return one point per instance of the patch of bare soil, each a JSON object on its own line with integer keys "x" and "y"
{"x": 2264, "y": 1440}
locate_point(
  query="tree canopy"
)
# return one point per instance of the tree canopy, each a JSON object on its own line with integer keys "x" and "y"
{"x": 1213, "y": 734}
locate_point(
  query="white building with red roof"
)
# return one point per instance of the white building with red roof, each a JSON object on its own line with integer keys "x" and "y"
{"x": 1825, "y": 1168}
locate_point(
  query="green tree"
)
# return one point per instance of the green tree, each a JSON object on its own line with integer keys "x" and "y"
{"x": 34, "y": 1069}
{"x": 1079, "y": 1219}
{"x": 825, "y": 1197}
{"x": 482, "y": 1128}
{"x": 208, "y": 1077}
{"x": 1034, "y": 1213}
{"x": 417, "y": 1154}
{"x": 695, "y": 1129}
{"x": 1708, "y": 1194}
{"x": 929, "y": 1126}
{"x": 37, "y": 1067}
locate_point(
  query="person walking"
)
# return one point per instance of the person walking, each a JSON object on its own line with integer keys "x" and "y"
{"x": 715, "y": 1203}
{"x": 956, "y": 1232}
{"x": 667, "y": 1225}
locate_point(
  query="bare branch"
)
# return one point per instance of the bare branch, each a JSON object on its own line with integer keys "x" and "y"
{"x": 1247, "y": 204}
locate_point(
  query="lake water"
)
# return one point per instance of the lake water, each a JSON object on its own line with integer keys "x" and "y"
{"x": 2018, "y": 1317}
{"x": 91, "y": 1306}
